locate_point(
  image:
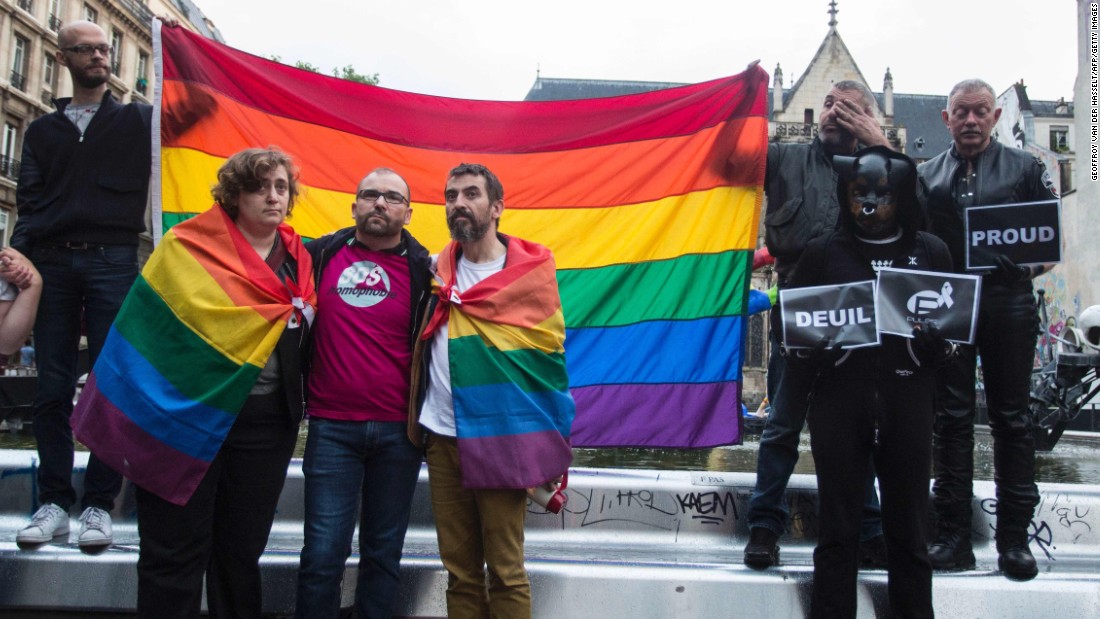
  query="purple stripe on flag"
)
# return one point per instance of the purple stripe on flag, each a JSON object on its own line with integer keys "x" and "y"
{"x": 515, "y": 461}
{"x": 116, "y": 440}
{"x": 667, "y": 415}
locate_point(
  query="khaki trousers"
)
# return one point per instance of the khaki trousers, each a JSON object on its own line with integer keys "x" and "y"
{"x": 478, "y": 528}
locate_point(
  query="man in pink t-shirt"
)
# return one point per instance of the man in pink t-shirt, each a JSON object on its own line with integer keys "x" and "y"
{"x": 373, "y": 285}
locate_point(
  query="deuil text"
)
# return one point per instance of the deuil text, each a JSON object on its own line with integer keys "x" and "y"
{"x": 842, "y": 314}
{"x": 832, "y": 318}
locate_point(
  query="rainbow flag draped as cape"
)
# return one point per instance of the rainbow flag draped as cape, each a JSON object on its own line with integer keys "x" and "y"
{"x": 650, "y": 204}
{"x": 184, "y": 352}
{"x": 505, "y": 336}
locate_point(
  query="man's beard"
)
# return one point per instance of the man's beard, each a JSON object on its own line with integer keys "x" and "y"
{"x": 89, "y": 81}
{"x": 840, "y": 142}
{"x": 379, "y": 230}
{"x": 466, "y": 229}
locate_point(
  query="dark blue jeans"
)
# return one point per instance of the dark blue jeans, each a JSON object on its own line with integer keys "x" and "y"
{"x": 88, "y": 284}
{"x": 369, "y": 467}
{"x": 778, "y": 451}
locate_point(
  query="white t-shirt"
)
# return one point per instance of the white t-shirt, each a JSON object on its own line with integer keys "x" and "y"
{"x": 438, "y": 413}
{"x": 7, "y": 291}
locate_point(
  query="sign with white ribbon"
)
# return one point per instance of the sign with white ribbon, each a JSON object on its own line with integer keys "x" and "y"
{"x": 949, "y": 301}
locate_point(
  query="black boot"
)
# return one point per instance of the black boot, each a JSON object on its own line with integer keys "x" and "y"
{"x": 762, "y": 551}
{"x": 952, "y": 549}
{"x": 1014, "y": 557}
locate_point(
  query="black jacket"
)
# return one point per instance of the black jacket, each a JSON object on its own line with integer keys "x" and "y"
{"x": 1004, "y": 176}
{"x": 802, "y": 203}
{"x": 92, "y": 189}
{"x": 420, "y": 263}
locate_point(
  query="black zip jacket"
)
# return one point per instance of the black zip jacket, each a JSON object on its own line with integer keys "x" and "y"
{"x": 90, "y": 189}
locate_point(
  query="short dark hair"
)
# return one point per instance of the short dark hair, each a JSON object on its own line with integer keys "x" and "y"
{"x": 970, "y": 85}
{"x": 243, "y": 171}
{"x": 865, "y": 92}
{"x": 492, "y": 183}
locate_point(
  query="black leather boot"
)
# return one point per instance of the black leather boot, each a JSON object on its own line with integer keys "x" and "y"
{"x": 762, "y": 551}
{"x": 952, "y": 550}
{"x": 1014, "y": 557}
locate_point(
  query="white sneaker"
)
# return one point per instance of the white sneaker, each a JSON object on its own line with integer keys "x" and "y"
{"x": 95, "y": 529}
{"x": 48, "y": 522}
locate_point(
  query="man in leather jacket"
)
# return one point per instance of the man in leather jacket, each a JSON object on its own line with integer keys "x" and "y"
{"x": 802, "y": 205}
{"x": 978, "y": 171}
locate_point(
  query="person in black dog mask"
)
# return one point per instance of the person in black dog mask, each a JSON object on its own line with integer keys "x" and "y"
{"x": 874, "y": 403}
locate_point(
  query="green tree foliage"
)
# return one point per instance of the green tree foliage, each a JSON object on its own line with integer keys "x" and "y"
{"x": 346, "y": 72}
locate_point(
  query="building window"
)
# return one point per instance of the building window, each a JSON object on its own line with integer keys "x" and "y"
{"x": 757, "y": 336}
{"x": 19, "y": 62}
{"x": 1066, "y": 176}
{"x": 26, "y": 5}
{"x": 1059, "y": 138}
{"x": 808, "y": 116}
{"x": 142, "y": 83}
{"x": 9, "y": 165}
{"x": 91, "y": 14}
{"x": 54, "y": 17}
{"x": 4, "y": 219}
{"x": 49, "y": 78}
{"x": 116, "y": 45}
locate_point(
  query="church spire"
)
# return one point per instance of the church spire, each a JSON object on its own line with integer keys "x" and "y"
{"x": 832, "y": 14}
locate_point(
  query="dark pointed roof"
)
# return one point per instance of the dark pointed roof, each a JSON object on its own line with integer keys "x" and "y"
{"x": 559, "y": 89}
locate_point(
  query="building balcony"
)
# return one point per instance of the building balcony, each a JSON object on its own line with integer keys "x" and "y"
{"x": 26, "y": 5}
{"x": 138, "y": 10}
{"x": 19, "y": 80}
{"x": 805, "y": 132}
{"x": 47, "y": 96}
{"x": 141, "y": 85}
{"x": 116, "y": 66}
{"x": 9, "y": 168}
{"x": 54, "y": 23}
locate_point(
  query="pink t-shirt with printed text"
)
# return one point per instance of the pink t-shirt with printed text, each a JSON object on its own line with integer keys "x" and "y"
{"x": 361, "y": 351}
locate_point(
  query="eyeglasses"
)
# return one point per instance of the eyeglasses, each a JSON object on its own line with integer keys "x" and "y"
{"x": 85, "y": 49}
{"x": 391, "y": 197}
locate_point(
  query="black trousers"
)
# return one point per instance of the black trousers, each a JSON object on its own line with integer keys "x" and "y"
{"x": 222, "y": 531}
{"x": 842, "y": 421}
{"x": 1007, "y": 330}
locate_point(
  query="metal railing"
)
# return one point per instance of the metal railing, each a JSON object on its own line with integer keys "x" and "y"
{"x": 9, "y": 167}
{"x": 18, "y": 80}
{"x": 138, "y": 10}
{"x": 26, "y": 5}
{"x": 54, "y": 22}
{"x": 808, "y": 131}
{"x": 141, "y": 85}
{"x": 47, "y": 96}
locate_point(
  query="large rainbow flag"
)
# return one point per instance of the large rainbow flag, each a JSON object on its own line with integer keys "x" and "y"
{"x": 185, "y": 350}
{"x": 650, "y": 204}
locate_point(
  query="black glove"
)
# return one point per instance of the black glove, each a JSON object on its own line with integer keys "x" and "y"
{"x": 1008, "y": 272}
{"x": 821, "y": 356}
{"x": 929, "y": 346}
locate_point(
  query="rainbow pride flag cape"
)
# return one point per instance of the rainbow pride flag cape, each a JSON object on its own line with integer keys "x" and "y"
{"x": 184, "y": 352}
{"x": 513, "y": 411}
{"x": 650, "y": 204}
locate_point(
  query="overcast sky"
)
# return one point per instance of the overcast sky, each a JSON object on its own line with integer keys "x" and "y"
{"x": 491, "y": 49}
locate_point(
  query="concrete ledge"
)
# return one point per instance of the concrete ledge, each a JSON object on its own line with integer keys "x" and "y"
{"x": 631, "y": 543}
